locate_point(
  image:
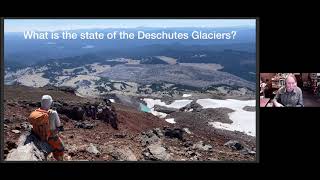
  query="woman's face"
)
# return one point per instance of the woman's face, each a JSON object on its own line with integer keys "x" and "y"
{"x": 290, "y": 84}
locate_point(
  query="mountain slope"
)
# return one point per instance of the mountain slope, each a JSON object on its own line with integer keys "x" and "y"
{"x": 140, "y": 136}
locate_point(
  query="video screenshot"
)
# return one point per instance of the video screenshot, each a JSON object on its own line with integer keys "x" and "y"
{"x": 154, "y": 90}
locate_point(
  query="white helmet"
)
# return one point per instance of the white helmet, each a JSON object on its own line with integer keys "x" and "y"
{"x": 46, "y": 101}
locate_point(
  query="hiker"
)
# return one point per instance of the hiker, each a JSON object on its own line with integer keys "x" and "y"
{"x": 46, "y": 125}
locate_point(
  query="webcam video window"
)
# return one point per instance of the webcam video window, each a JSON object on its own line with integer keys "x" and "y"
{"x": 289, "y": 90}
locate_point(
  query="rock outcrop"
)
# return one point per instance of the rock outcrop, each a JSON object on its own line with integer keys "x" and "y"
{"x": 29, "y": 148}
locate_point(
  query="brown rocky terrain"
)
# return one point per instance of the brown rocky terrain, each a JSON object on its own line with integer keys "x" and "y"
{"x": 96, "y": 129}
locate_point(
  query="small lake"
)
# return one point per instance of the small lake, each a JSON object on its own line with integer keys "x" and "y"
{"x": 144, "y": 108}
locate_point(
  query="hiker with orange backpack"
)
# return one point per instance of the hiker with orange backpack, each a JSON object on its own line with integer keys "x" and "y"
{"x": 46, "y": 125}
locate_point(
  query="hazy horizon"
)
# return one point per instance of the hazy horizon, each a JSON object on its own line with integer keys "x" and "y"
{"x": 21, "y": 25}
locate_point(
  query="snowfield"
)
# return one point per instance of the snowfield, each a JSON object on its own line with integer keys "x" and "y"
{"x": 176, "y": 104}
{"x": 243, "y": 121}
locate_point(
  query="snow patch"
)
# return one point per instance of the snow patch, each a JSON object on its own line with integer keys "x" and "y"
{"x": 158, "y": 114}
{"x": 170, "y": 120}
{"x": 187, "y": 130}
{"x": 242, "y": 120}
{"x": 186, "y": 95}
{"x": 176, "y": 104}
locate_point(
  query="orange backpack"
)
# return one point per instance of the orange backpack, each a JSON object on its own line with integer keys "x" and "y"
{"x": 39, "y": 119}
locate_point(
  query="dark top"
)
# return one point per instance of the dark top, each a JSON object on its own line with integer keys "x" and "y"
{"x": 290, "y": 99}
